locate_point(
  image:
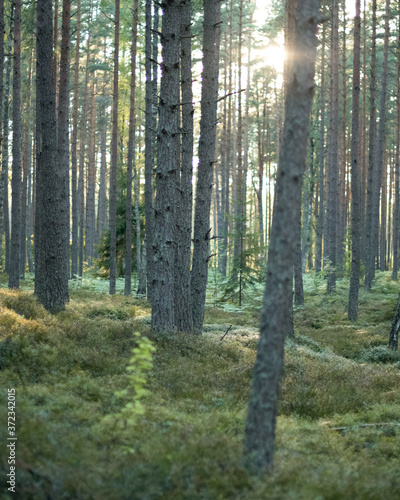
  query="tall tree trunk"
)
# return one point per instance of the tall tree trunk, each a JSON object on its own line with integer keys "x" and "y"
{"x": 355, "y": 175}
{"x": 51, "y": 283}
{"x": 209, "y": 95}
{"x": 396, "y": 210}
{"x": 91, "y": 182}
{"x": 63, "y": 128}
{"x": 184, "y": 193}
{"x": 4, "y": 166}
{"x": 26, "y": 172}
{"x": 379, "y": 157}
{"x": 370, "y": 246}
{"x": 102, "y": 201}
{"x": 82, "y": 149}
{"x": 114, "y": 158}
{"x": 162, "y": 317}
{"x": 261, "y": 418}
{"x": 333, "y": 151}
{"x": 13, "y": 281}
{"x": 74, "y": 141}
{"x": 131, "y": 165}
{"x": 149, "y": 158}
{"x": 382, "y": 244}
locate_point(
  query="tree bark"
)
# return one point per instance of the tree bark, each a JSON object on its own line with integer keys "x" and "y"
{"x": 332, "y": 206}
{"x": 149, "y": 157}
{"x": 184, "y": 193}
{"x": 91, "y": 182}
{"x": 51, "y": 283}
{"x": 209, "y": 96}
{"x": 355, "y": 178}
{"x": 74, "y": 141}
{"x": 14, "y": 274}
{"x": 162, "y": 318}
{"x": 114, "y": 159}
{"x": 396, "y": 211}
{"x": 261, "y": 418}
{"x": 371, "y": 250}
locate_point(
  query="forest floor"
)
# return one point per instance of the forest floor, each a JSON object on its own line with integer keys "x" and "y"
{"x": 66, "y": 370}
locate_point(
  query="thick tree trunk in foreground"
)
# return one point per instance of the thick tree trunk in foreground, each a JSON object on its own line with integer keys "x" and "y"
{"x": 13, "y": 281}
{"x": 355, "y": 180}
{"x": 184, "y": 192}
{"x": 51, "y": 283}
{"x": 208, "y": 121}
{"x": 114, "y": 157}
{"x": 162, "y": 315}
{"x": 261, "y": 418}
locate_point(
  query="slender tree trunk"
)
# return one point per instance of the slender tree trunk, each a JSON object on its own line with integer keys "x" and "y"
{"x": 261, "y": 418}
{"x": 131, "y": 165}
{"x": 394, "y": 331}
{"x": 13, "y": 281}
{"x": 209, "y": 95}
{"x": 63, "y": 129}
{"x": 355, "y": 177}
{"x": 102, "y": 201}
{"x": 382, "y": 244}
{"x": 370, "y": 247}
{"x": 184, "y": 193}
{"x": 4, "y": 167}
{"x": 149, "y": 158}
{"x": 91, "y": 182}
{"x": 379, "y": 157}
{"x": 25, "y": 171}
{"x": 162, "y": 318}
{"x": 396, "y": 211}
{"x": 114, "y": 158}
{"x": 333, "y": 151}
{"x": 74, "y": 141}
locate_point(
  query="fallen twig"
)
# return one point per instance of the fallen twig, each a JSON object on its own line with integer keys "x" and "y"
{"x": 363, "y": 425}
{"x": 224, "y": 335}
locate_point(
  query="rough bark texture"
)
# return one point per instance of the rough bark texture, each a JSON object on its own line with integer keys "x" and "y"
{"x": 149, "y": 158}
{"x": 131, "y": 165}
{"x": 184, "y": 193}
{"x": 332, "y": 206}
{"x": 114, "y": 155}
{"x": 370, "y": 249}
{"x": 162, "y": 317}
{"x": 102, "y": 201}
{"x": 74, "y": 141}
{"x": 4, "y": 164}
{"x": 321, "y": 160}
{"x": 13, "y": 279}
{"x": 355, "y": 180}
{"x": 91, "y": 183}
{"x": 51, "y": 283}
{"x": 208, "y": 121}
{"x": 394, "y": 331}
{"x": 396, "y": 210}
{"x": 63, "y": 127}
{"x": 262, "y": 412}
{"x": 379, "y": 156}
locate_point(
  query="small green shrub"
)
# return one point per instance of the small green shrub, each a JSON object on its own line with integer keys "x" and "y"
{"x": 379, "y": 354}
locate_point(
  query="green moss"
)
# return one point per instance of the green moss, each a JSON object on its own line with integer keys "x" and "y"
{"x": 68, "y": 368}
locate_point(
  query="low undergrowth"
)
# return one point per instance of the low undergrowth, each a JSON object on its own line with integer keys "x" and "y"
{"x": 338, "y": 432}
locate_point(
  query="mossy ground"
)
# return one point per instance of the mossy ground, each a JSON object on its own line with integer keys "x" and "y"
{"x": 67, "y": 368}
